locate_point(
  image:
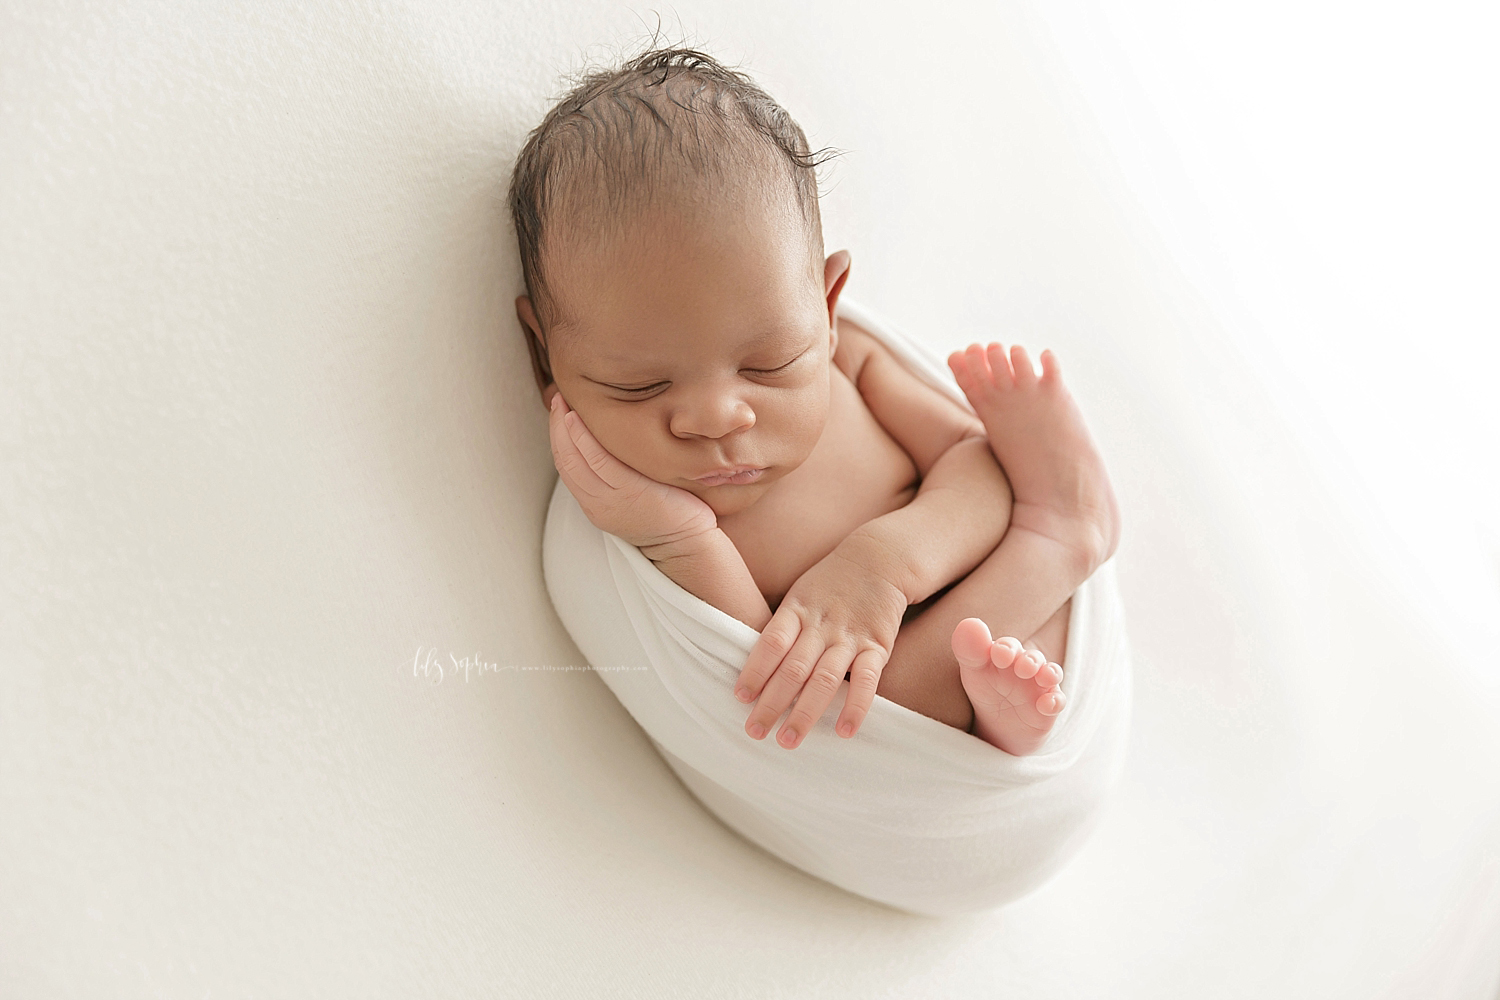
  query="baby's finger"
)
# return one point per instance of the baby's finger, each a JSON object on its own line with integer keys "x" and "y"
{"x": 776, "y": 640}
{"x": 570, "y": 463}
{"x": 864, "y": 678}
{"x": 785, "y": 684}
{"x": 817, "y": 694}
{"x": 613, "y": 473}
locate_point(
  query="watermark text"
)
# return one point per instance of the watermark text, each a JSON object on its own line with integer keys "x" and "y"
{"x": 433, "y": 666}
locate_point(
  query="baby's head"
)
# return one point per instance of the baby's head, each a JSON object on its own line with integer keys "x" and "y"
{"x": 677, "y": 293}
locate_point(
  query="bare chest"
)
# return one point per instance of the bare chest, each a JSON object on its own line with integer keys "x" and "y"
{"x": 855, "y": 473}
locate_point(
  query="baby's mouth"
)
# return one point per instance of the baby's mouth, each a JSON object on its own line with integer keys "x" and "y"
{"x": 739, "y": 475}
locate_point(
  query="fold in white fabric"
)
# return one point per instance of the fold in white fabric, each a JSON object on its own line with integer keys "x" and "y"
{"x": 911, "y": 812}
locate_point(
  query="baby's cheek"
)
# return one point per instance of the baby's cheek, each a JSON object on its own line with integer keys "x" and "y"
{"x": 624, "y": 439}
{"x": 810, "y": 426}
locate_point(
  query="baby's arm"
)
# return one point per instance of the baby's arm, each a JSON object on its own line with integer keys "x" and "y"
{"x": 674, "y": 529}
{"x": 844, "y": 613}
{"x": 710, "y": 567}
{"x": 962, "y": 508}
{"x": 958, "y": 516}
{"x": 1062, "y": 523}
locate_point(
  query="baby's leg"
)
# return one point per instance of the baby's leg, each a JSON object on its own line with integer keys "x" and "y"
{"x": 1063, "y": 524}
{"x": 923, "y": 674}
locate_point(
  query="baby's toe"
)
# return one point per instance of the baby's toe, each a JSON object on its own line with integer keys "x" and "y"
{"x": 971, "y": 642}
{"x": 1051, "y": 702}
{"x": 1050, "y": 675}
{"x": 979, "y": 366}
{"x": 959, "y": 364}
{"x": 999, "y": 363}
{"x": 1050, "y": 369}
{"x": 1020, "y": 363}
{"x": 1028, "y": 663}
{"x": 1004, "y": 651}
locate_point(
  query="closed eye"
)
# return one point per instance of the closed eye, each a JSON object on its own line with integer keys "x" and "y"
{"x": 773, "y": 371}
{"x": 644, "y": 388}
{"x": 657, "y": 385}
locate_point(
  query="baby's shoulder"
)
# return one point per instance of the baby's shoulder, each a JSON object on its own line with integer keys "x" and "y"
{"x": 854, "y": 348}
{"x": 921, "y": 418}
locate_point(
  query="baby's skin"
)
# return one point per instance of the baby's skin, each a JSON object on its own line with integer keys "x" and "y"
{"x": 875, "y": 518}
{"x": 1063, "y": 506}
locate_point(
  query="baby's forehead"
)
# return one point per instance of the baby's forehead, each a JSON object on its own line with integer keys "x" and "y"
{"x": 685, "y": 225}
{"x": 613, "y": 194}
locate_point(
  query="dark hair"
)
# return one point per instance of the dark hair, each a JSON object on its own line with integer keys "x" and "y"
{"x": 643, "y": 121}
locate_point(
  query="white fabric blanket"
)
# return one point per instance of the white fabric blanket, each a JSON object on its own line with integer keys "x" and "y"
{"x": 910, "y": 812}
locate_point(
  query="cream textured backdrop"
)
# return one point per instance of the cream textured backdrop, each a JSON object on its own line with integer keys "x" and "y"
{"x": 268, "y": 434}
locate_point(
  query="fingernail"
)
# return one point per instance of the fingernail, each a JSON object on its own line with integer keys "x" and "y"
{"x": 845, "y": 729}
{"x": 788, "y": 737}
{"x": 757, "y": 731}
{"x": 743, "y": 694}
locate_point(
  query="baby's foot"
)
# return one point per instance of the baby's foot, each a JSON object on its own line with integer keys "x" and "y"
{"x": 1015, "y": 693}
{"x": 1037, "y": 432}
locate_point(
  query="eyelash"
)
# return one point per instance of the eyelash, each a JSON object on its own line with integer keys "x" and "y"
{"x": 758, "y": 371}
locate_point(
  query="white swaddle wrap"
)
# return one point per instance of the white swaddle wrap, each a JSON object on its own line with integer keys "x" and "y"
{"x": 910, "y": 812}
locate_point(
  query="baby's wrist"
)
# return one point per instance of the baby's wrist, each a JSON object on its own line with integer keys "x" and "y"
{"x": 880, "y": 561}
{"x": 678, "y": 548}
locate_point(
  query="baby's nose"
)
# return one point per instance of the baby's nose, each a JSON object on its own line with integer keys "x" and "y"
{"x": 712, "y": 417}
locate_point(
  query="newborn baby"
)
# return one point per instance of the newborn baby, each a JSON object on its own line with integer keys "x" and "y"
{"x": 706, "y": 407}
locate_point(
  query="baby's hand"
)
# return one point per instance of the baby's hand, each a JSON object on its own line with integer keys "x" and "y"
{"x": 617, "y": 498}
{"x": 838, "y": 617}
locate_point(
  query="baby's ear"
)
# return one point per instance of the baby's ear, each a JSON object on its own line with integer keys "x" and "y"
{"x": 541, "y": 367}
{"x": 835, "y": 273}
